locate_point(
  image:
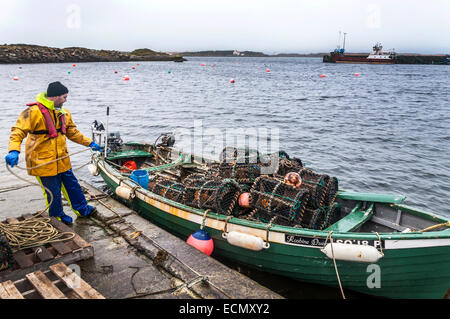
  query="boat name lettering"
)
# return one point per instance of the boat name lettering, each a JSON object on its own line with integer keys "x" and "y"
{"x": 320, "y": 242}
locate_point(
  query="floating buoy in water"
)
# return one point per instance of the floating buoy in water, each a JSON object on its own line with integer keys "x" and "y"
{"x": 15, "y": 78}
{"x": 74, "y": 65}
{"x": 212, "y": 65}
{"x": 232, "y": 81}
{"x": 169, "y": 71}
{"x": 126, "y": 78}
{"x": 133, "y": 67}
{"x": 356, "y": 74}
{"x": 115, "y": 71}
{"x": 201, "y": 241}
{"x": 68, "y": 72}
{"x": 322, "y": 75}
{"x": 202, "y": 64}
{"x": 267, "y": 70}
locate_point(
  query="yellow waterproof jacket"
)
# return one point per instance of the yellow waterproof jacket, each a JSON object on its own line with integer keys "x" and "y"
{"x": 40, "y": 148}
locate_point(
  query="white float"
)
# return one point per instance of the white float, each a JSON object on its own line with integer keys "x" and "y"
{"x": 247, "y": 241}
{"x": 125, "y": 192}
{"x": 93, "y": 169}
{"x": 352, "y": 252}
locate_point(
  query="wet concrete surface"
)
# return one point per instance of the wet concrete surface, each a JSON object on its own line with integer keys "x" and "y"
{"x": 134, "y": 258}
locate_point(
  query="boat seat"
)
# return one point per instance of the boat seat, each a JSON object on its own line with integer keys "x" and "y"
{"x": 353, "y": 220}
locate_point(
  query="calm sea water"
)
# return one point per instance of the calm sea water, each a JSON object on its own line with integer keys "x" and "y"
{"x": 384, "y": 131}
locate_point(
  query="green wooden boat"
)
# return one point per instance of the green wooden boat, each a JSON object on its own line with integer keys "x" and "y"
{"x": 376, "y": 246}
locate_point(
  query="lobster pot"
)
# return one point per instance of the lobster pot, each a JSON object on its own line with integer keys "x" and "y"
{"x": 320, "y": 218}
{"x": 275, "y": 201}
{"x": 6, "y": 255}
{"x": 331, "y": 191}
{"x": 286, "y": 165}
{"x": 218, "y": 195}
{"x": 168, "y": 189}
{"x": 239, "y": 155}
{"x": 242, "y": 173}
{"x": 316, "y": 184}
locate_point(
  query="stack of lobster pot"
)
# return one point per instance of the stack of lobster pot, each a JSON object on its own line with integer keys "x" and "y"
{"x": 243, "y": 165}
{"x": 323, "y": 187}
{"x": 205, "y": 192}
{"x": 275, "y": 201}
{"x": 322, "y": 210}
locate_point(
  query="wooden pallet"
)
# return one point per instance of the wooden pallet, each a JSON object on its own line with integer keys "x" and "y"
{"x": 59, "y": 282}
{"x": 32, "y": 259}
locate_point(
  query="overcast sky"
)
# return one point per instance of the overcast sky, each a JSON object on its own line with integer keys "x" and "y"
{"x": 419, "y": 26}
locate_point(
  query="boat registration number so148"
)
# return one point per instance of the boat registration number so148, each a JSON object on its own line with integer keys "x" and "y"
{"x": 320, "y": 242}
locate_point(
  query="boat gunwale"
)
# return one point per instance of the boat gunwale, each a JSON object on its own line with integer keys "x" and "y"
{"x": 114, "y": 173}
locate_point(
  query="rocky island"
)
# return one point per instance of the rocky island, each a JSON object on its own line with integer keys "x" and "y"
{"x": 26, "y": 53}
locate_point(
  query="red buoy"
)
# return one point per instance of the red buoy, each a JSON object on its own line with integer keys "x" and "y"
{"x": 201, "y": 241}
{"x": 15, "y": 78}
{"x": 126, "y": 78}
{"x": 356, "y": 74}
{"x": 212, "y": 65}
{"x": 232, "y": 81}
{"x": 74, "y": 65}
{"x": 133, "y": 67}
{"x": 202, "y": 64}
{"x": 322, "y": 75}
{"x": 267, "y": 70}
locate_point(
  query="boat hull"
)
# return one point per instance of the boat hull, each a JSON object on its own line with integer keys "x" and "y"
{"x": 419, "y": 269}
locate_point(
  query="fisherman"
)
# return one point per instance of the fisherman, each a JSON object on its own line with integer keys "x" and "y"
{"x": 47, "y": 124}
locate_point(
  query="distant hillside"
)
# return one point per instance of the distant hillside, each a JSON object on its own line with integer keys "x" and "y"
{"x": 234, "y": 53}
{"x": 27, "y": 53}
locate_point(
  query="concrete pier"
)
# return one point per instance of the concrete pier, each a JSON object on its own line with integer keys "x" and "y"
{"x": 134, "y": 258}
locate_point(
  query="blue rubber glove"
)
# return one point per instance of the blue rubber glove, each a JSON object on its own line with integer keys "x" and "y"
{"x": 95, "y": 146}
{"x": 12, "y": 158}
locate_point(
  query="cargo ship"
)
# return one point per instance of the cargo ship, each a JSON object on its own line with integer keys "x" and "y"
{"x": 379, "y": 57}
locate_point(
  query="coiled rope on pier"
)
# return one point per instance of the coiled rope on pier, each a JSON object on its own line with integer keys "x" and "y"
{"x": 36, "y": 231}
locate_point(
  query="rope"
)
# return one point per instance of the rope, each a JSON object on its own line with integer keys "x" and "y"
{"x": 334, "y": 261}
{"x": 33, "y": 232}
{"x": 447, "y": 224}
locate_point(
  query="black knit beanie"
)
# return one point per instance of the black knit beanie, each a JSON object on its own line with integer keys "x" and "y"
{"x": 56, "y": 89}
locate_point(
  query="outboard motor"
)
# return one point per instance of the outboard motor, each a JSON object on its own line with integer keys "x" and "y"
{"x": 114, "y": 142}
{"x": 167, "y": 139}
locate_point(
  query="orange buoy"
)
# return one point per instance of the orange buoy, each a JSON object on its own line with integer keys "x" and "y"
{"x": 232, "y": 81}
{"x": 293, "y": 179}
{"x": 126, "y": 78}
{"x": 322, "y": 75}
{"x": 201, "y": 241}
{"x": 244, "y": 200}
